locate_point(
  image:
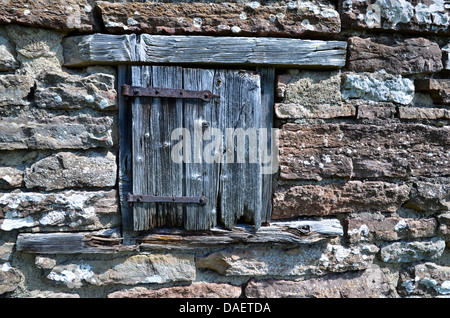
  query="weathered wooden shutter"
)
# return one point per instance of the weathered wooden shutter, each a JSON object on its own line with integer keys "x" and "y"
{"x": 234, "y": 191}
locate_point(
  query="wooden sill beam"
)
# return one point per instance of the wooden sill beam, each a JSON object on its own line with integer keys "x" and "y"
{"x": 109, "y": 49}
{"x": 278, "y": 233}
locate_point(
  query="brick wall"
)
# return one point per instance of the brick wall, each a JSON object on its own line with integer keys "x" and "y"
{"x": 364, "y": 147}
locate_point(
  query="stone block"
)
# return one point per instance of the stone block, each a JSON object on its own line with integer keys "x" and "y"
{"x": 427, "y": 279}
{"x": 316, "y": 152}
{"x": 62, "y": 211}
{"x": 308, "y": 88}
{"x": 412, "y": 251}
{"x": 194, "y": 290}
{"x": 315, "y": 259}
{"x": 439, "y": 89}
{"x": 73, "y": 170}
{"x": 223, "y": 18}
{"x": 379, "y": 87}
{"x": 8, "y": 56}
{"x": 404, "y": 57}
{"x": 430, "y": 197}
{"x": 329, "y": 199}
{"x": 10, "y": 178}
{"x": 10, "y": 278}
{"x": 14, "y": 89}
{"x": 423, "y": 113}
{"x": 377, "y": 227}
{"x": 64, "y": 15}
{"x": 369, "y": 283}
{"x": 132, "y": 270}
{"x": 290, "y": 111}
{"x": 66, "y": 91}
{"x": 59, "y": 132}
{"x": 430, "y": 17}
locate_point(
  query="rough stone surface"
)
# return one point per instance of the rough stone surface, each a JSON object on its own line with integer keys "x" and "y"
{"x": 65, "y": 91}
{"x": 6, "y": 250}
{"x": 73, "y": 170}
{"x": 430, "y": 197}
{"x": 133, "y": 270}
{"x": 410, "y": 56}
{"x": 352, "y": 196}
{"x": 65, "y": 15}
{"x": 38, "y": 50}
{"x": 285, "y": 111}
{"x": 315, "y": 152}
{"x": 67, "y": 210}
{"x": 439, "y": 89}
{"x": 377, "y": 227}
{"x": 195, "y": 290}
{"x": 10, "y": 178}
{"x": 307, "y": 88}
{"x": 379, "y": 87}
{"x": 427, "y": 279}
{"x": 370, "y": 283}
{"x": 444, "y": 225}
{"x": 423, "y": 113}
{"x": 317, "y": 259}
{"x": 406, "y": 252}
{"x": 245, "y": 19}
{"x": 9, "y": 278}
{"x": 77, "y": 132}
{"x": 372, "y": 111}
{"x": 8, "y": 60}
{"x": 14, "y": 89}
{"x": 400, "y": 15}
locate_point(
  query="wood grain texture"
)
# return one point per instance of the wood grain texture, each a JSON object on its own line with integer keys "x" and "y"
{"x": 278, "y": 233}
{"x": 101, "y": 49}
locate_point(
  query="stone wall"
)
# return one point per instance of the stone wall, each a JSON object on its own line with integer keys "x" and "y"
{"x": 365, "y": 147}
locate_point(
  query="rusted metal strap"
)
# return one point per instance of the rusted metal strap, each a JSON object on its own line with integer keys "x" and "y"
{"x": 165, "y": 199}
{"x": 137, "y": 91}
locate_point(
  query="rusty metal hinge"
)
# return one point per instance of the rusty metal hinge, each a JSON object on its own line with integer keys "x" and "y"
{"x": 165, "y": 199}
{"x": 137, "y": 91}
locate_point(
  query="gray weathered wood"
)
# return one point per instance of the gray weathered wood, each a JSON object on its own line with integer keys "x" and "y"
{"x": 278, "y": 233}
{"x": 240, "y": 50}
{"x": 69, "y": 243}
{"x": 154, "y": 173}
{"x": 113, "y": 49}
{"x": 99, "y": 49}
{"x": 240, "y": 182}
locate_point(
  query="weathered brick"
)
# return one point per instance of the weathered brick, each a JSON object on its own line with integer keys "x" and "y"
{"x": 327, "y": 199}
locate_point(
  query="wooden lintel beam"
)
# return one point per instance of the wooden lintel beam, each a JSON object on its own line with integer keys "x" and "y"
{"x": 108, "y": 49}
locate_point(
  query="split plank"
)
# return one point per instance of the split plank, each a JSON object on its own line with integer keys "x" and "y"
{"x": 101, "y": 49}
{"x": 278, "y": 233}
{"x": 70, "y": 243}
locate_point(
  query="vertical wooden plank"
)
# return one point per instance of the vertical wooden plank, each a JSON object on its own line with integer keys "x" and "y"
{"x": 125, "y": 158}
{"x": 154, "y": 173}
{"x": 240, "y": 182}
{"x": 201, "y": 175}
{"x": 267, "y": 113}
